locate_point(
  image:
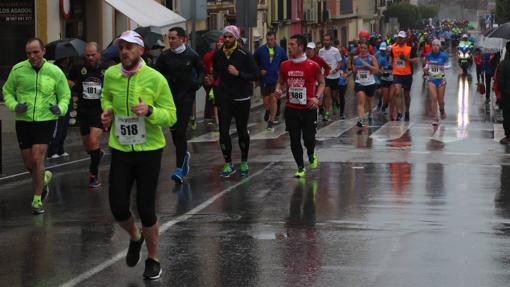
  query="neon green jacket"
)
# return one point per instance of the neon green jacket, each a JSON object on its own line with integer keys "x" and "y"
{"x": 38, "y": 90}
{"x": 120, "y": 93}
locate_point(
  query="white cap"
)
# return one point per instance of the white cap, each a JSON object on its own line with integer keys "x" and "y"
{"x": 383, "y": 46}
{"x": 311, "y": 45}
{"x": 131, "y": 37}
{"x": 402, "y": 34}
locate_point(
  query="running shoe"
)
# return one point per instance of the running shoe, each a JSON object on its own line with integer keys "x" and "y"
{"x": 435, "y": 122}
{"x": 152, "y": 269}
{"x": 360, "y": 123}
{"x": 37, "y": 207}
{"x": 48, "y": 175}
{"x": 399, "y": 117}
{"x": 185, "y": 164}
{"x": 55, "y": 156}
{"x": 177, "y": 176}
{"x": 63, "y": 154}
{"x": 228, "y": 170}
{"x": 133, "y": 255}
{"x": 342, "y": 117}
{"x": 443, "y": 114}
{"x": 243, "y": 168}
{"x": 314, "y": 161}
{"x": 266, "y": 116}
{"x": 193, "y": 122}
{"x": 270, "y": 127}
{"x": 505, "y": 141}
{"x": 94, "y": 182}
{"x": 300, "y": 173}
{"x": 325, "y": 117}
{"x": 406, "y": 117}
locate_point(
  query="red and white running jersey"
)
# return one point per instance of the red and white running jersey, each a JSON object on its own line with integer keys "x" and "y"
{"x": 300, "y": 79}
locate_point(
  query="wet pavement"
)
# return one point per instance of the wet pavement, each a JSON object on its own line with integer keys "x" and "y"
{"x": 392, "y": 204}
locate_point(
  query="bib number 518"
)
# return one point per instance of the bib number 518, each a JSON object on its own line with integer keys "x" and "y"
{"x": 128, "y": 130}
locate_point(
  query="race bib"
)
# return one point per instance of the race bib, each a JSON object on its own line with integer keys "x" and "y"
{"x": 365, "y": 77}
{"x": 91, "y": 90}
{"x": 436, "y": 71}
{"x": 400, "y": 63}
{"x": 130, "y": 130}
{"x": 297, "y": 95}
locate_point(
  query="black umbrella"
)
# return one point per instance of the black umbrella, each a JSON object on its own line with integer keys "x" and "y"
{"x": 150, "y": 38}
{"x": 69, "y": 47}
{"x": 503, "y": 32}
{"x": 204, "y": 41}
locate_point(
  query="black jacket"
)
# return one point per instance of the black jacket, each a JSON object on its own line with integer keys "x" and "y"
{"x": 184, "y": 73}
{"x": 230, "y": 86}
{"x": 503, "y": 77}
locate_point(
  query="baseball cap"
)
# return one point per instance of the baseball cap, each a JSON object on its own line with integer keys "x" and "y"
{"x": 383, "y": 46}
{"x": 131, "y": 37}
{"x": 311, "y": 45}
{"x": 402, "y": 34}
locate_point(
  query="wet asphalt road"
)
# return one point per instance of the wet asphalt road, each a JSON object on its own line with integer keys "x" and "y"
{"x": 392, "y": 204}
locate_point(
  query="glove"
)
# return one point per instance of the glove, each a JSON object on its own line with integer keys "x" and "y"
{"x": 21, "y": 108}
{"x": 55, "y": 110}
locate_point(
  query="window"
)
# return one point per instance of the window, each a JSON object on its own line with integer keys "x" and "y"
{"x": 346, "y": 7}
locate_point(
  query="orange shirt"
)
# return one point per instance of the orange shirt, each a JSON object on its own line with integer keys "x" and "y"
{"x": 401, "y": 67}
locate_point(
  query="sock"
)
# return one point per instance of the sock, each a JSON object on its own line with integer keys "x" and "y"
{"x": 95, "y": 158}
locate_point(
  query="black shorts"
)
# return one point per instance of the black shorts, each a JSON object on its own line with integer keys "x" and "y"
{"x": 89, "y": 118}
{"x": 332, "y": 83}
{"x": 267, "y": 89}
{"x": 405, "y": 81}
{"x": 368, "y": 90}
{"x": 385, "y": 84}
{"x": 30, "y": 133}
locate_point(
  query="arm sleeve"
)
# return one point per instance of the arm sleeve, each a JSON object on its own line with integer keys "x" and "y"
{"x": 106, "y": 95}
{"x": 9, "y": 91}
{"x": 163, "y": 112}
{"x": 63, "y": 92}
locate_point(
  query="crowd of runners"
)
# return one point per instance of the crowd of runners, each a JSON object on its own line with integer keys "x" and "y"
{"x": 132, "y": 102}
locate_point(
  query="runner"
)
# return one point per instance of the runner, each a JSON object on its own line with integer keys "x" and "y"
{"x": 300, "y": 75}
{"x": 137, "y": 103}
{"x": 345, "y": 73}
{"x": 269, "y": 57}
{"x": 87, "y": 83}
{"x": 364, "y": 67}
{"x": 236, "y": 68}
{"x": 403, "y": 56}
{"x": 38, "y": 93}
{"x": 184, "y": 71}
{"x": 210, "y": 110}
{"x": 435, "y": 64}
{"x": 386, "y": 75}
{"x": 332, "y": 56}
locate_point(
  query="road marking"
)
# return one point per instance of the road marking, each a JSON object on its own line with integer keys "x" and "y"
{"x": 335, "y": 129}
{"x": 214, "y": 136}
{"x": 279, "y": 130}
{"x": 163, "y": 228}
{"x": 391, "y": 131}
{"x": 499, "y": 132}
{"x": 449, "y": 134}
{"x": 48, "y": 167}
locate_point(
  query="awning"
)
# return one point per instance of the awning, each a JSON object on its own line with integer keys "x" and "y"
{"x": 148, "y": 13}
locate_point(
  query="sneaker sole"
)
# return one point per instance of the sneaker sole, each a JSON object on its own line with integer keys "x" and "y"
{"x": 229, "y": 175}
{"x": 37, "y": 212}
{"x": 154, "y": 277}
{"x": 243, "y": 173}
{"x": 94, "y": 186}
{"x": 177, "y": 179}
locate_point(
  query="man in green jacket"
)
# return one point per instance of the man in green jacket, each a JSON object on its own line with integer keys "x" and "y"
{"x": 136, "y": 103}
{"x": 38, "y": 93}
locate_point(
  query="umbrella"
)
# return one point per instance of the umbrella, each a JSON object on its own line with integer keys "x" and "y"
{"x": 110, "y": 54}
{"x": 503, "y": 32}
{"x": 204, "y": 42}
{"x": 70, "y": 47}
{"x": 150, "y": 38}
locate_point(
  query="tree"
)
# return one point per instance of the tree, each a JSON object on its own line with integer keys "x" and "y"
{"x": 407, "y": 14}
{"x": 427, "y": 12}
{"x": 502, "y": 11}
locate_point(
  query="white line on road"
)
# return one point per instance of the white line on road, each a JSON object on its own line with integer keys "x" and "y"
{"x": 91, "y": 272}
{"x": 48, "y": 167}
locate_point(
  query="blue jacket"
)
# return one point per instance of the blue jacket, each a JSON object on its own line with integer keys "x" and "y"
{"x": 262, "y": 58}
